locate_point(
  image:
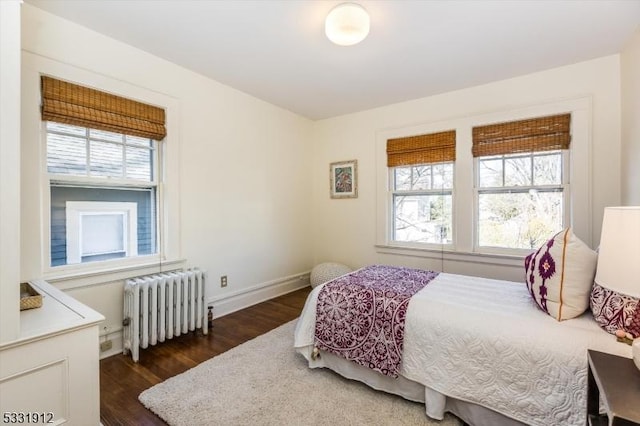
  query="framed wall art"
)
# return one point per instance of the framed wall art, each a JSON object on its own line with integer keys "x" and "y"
{"x": 344, "y": 179}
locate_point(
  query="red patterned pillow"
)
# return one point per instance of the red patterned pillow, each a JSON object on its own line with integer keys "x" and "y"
{"x": 559, "y": 275}
{"x": 615, "y": 311}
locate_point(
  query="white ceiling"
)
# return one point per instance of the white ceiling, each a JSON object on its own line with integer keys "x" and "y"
{"x": 276, "y": 50}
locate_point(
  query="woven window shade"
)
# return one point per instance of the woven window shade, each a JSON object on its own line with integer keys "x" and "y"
{"x": 81, "y": 106}
{"x": 536, "y": 134}
{"x": 421, "y": 149}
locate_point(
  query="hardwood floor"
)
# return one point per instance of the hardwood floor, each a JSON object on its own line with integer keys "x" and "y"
{"x": 122, "y": 380}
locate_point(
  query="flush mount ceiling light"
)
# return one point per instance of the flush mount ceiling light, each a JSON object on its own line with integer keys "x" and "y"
{"x": 347, "y": 24}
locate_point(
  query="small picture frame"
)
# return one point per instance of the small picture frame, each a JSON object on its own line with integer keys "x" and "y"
{"x": 344, "y": 179}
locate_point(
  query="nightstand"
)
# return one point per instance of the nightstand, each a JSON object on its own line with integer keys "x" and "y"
{"x": 617, "y": 380}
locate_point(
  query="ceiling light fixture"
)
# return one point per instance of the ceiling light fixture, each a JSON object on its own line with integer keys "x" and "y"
{"x": 347, "y": 24}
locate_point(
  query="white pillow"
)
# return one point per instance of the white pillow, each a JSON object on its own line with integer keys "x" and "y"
{"x": 559, "y": 275}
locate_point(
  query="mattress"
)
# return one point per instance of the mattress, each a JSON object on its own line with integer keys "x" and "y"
{"x": 484, "y": 342}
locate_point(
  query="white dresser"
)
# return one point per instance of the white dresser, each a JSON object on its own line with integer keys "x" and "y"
{"x": 51, "y": 373}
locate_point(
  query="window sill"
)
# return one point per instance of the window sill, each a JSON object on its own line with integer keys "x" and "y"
{"x": 70, "y": 279}
{"x": 455, "y": 256}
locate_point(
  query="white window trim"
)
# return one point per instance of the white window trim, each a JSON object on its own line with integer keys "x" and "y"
{"x": 36, "y": 204}
{"x": 77, "y": 210}
{"x": 578, "y": 208}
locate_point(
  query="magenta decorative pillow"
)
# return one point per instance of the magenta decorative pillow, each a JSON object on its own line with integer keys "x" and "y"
{"x": 615, "y": 311}
{"x": 559, "y": 275}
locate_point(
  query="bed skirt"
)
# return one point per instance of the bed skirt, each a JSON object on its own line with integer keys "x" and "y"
{"x": 436, "y": 404}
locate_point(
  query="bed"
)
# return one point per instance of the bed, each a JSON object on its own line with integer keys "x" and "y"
{"x": 480, "y": 349}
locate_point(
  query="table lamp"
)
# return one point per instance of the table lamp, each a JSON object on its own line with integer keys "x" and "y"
{"x": 615, "y": 299}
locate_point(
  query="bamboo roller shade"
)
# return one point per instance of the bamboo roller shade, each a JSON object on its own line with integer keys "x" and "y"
{"x": 421, "y": 149}
{"x": 536, "y": 134}
{"x": 70, "y": 103}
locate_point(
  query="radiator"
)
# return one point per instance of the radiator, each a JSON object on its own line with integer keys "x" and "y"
{"x": 161, "y": 306}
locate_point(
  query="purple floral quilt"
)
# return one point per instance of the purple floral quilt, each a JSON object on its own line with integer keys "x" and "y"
{"x": 361, "y": 316}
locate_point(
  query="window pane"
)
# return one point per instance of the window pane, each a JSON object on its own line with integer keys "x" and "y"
{"x": 547, "y": 169}
{"x": 106, "y": 136}
{"x": 423, "y": 218}
{"x": 402, "y": 178}
{"x": 66, "y": 154}
{"x": 139, "y": 163}
{"x": 106, "y": 159}
{"x": 517, "y": 171}
{"x": 146, "y": 220}
{"x": 417, "y": 178}
{"x": 490, "y": 171}
{"x": 442, "y": 176}
{"x": 519, "y": 220}
{"x": 421, "y": 178}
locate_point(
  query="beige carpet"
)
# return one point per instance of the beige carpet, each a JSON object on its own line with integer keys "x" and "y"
{"x": 265, "y": 382}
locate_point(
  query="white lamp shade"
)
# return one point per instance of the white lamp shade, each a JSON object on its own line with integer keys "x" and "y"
{"x": 347, "y": 24}
{"x": 619, "y": 255}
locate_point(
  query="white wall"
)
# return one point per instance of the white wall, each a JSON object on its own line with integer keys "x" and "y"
{"x": 244, "y": 196}
{"x": 9, "y": 171}
{"x": 630, "y": 75}
{"x": 344, "y": 230}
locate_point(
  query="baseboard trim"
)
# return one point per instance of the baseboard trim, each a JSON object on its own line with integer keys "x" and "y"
{"x": 224, "y": 305}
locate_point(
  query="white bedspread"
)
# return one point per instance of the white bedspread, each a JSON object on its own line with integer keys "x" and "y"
{"x": 485, "y": 341}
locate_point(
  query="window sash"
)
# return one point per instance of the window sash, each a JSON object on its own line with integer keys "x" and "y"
{"x": 64, "y": 204}
{"x": 564, "y": 172}
{"x": 433, "y": 176}
{"x": 442, "y": 224}
{"x": 515, "y": 234}
{"x": 95, "y": 178}
{"x": 521, "y": 189}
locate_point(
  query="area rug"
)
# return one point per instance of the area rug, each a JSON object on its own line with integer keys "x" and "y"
{"x": 265, "y": 382}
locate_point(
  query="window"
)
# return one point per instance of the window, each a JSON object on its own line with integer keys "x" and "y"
{"x": 521, "y": 182}
{"x": 520, "y": 199}
{"x": 515, "y": 165}
{"x": 103, "y": 194}
{"x": 102, "y": 164}
{"x": 422, "y": 203}
{"x": 421, "y": 182}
